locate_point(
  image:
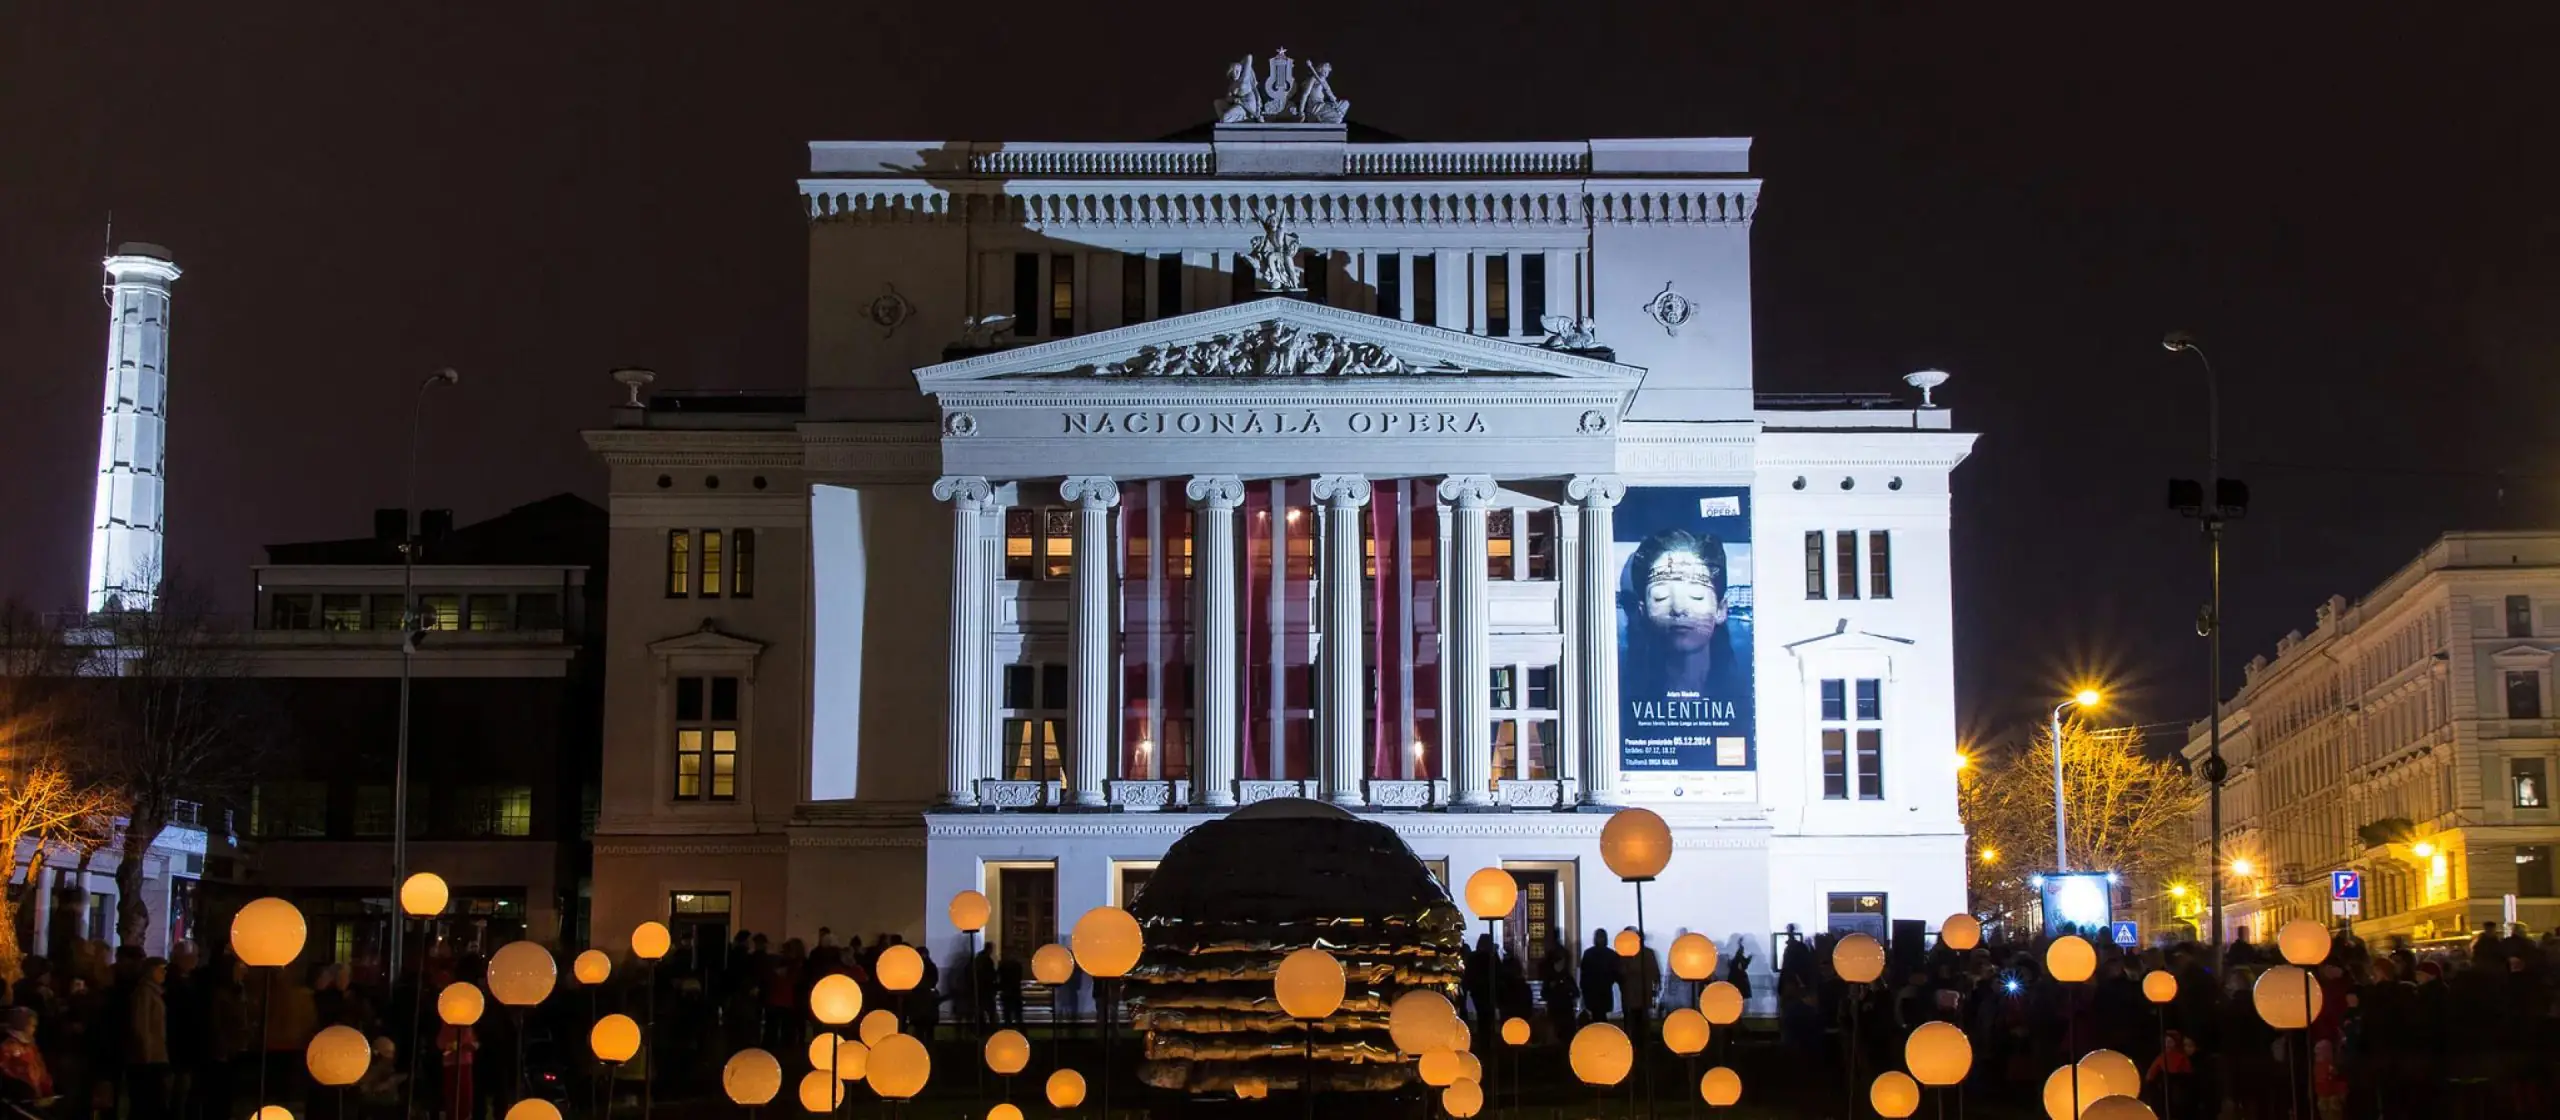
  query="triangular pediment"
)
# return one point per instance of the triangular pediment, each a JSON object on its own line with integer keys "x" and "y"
{"x": 1274, "y": 340}
{"x": 708, "y": 640}
{"x": 2521, "y": 657}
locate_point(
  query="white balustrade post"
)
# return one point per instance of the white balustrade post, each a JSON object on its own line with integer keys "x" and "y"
{"x": 1345, "y": 675}
{"x": 1216, "y": 498}
{"x": 1466, "y": 727}
{"x": 1596, "y": 579}
{"x": 967, "y": 689}
{"x": 1091, "y": 669}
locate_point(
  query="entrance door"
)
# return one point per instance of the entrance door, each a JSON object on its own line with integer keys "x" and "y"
{"x": 700, "y": 922}
{"x": 1030, "y": 918}
{"x": 1533, "y": 924}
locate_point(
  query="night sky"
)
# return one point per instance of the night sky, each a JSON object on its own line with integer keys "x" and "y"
{"x": 2353, "y": 211}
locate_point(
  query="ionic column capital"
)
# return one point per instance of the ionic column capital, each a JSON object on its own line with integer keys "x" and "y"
{"x": 1091, "y": 491}
{"x": 1341, "y": 491}
{"x": 964, "y": 489}
{"x": 1600, "y": 490}
{"x": 1216, "y": 491}
{"x": 1467, "y": 491}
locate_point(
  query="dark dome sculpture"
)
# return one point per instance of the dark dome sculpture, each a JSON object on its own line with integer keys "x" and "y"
{"x": 1234, "y": 896}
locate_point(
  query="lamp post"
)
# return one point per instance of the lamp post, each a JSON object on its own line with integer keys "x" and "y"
{"x": 267, "y": 934}
{"x": 613, "y": 1040}
{"x": 409, "y": 627}
{"x": 2084, "y": 700}
{"x": 1106, "y": 943}
{"x": 1491, "y": 893}
{"x": 1858, "y": 960}
{"x": 422, "y": 896}
{"x": 1636, "y": 846}
{"x": 1309, "y": 986}
{"x": 2215, "y": 502}
{"x": 649, "y": 942}
{"x": 2071, "y": 960}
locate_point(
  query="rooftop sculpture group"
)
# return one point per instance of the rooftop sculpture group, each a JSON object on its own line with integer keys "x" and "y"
{"x": 1277, "y": 97}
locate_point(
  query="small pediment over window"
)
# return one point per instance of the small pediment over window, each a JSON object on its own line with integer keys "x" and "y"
{"x": 2522, "y": 657}
{"x": 1842, "y": 639}
{"x": 707, "y": 648}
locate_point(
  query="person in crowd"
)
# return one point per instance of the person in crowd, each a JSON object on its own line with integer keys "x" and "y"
{"x": 458, "y": 1047}
{"x": 1558, "y": 988}
{"x": 1599, "y": 977}
{"x": 24, "y": 1079}
{"x": 146, "y": 1053}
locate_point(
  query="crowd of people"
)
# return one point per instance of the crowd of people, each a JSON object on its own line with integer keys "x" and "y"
{"x": 120, "y": 1036}
{"x": 2399, "y": 1032}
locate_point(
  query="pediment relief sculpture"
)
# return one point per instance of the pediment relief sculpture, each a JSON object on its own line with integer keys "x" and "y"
{"x": 1270, "y": 348}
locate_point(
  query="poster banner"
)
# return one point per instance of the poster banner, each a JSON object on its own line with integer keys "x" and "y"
{"x": 1684, "y": 636}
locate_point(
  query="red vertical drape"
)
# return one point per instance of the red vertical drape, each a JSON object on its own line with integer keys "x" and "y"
{"x": 1255, "y": 614}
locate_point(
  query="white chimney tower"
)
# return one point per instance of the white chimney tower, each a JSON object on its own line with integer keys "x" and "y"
{"x": 125, "y": 535}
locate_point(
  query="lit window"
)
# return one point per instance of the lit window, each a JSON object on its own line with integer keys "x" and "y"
{"x": 1034, "y": 720}
{"x": 711, "y": 563}
{"x": 1525, "y": 724}
{"x": 489, "y": 612}
{"x": 1497, "y": 543}
{"x": 2528, "y": 783}
{"x": 342, "y": 612}
{"x": 1497, "y": 295}
{"x": 440, "y": 612}
{"x": 706, "y": 738}
{"x": 679, "y": 563}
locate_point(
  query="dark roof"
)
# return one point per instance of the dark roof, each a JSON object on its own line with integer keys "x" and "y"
{"x": 560, "y": 529}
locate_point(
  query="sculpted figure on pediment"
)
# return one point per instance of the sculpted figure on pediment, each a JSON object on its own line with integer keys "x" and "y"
{"x": 1270, "y": 349}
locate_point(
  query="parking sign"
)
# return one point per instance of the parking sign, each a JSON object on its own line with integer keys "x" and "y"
{"x": 2346, "y": 886}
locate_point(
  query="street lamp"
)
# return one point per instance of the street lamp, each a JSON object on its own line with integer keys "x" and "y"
{"x": 409, "y": 627}
{"x": 2211, "y": 503}
{"x": 2085, "y": 699}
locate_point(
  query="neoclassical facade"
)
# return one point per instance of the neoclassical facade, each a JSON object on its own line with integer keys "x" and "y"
{"x": 1130, "y": 483}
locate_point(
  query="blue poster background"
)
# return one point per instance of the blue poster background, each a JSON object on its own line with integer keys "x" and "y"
{"x": 1684, "y": 629}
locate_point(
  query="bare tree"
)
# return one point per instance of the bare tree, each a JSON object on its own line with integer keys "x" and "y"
{"x": 2125, "y": 812}
{"x": 173, "y": 722}
{"x": 46, "y": 803}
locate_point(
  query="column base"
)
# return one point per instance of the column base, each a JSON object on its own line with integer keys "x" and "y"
{"x": 1082, "y": 808}
{"x": 1481, "y": 808}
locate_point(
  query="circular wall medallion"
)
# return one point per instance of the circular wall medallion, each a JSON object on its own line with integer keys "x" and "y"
{"x": 1670, "y": 309}
{"x": 890, "y": 309}
{"x": 960, "y": 424}
{"x": 1595, "y": 422}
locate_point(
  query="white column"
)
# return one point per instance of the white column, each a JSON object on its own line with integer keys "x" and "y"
{"x": 1091, "y": 668}
{"x": 1215, "y": 497}
{"x": 1567, "y": 763}
{"x": 1346, "y": 685}
{"x": 1465, "y": 726}
{"x": 967, "y": 687}
{"x": 994, "y": 761}
{"x": 1596, "y": 710}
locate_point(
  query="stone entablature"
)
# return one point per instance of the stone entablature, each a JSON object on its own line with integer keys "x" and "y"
{"x": 1319, "y": 205}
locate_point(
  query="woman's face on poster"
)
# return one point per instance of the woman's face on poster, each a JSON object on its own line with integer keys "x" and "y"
{"x": 1680, "y": 601}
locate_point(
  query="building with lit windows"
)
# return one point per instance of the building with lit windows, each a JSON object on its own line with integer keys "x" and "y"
{"x": 1129, "y": 483}
{"x": 2410, "y": 736}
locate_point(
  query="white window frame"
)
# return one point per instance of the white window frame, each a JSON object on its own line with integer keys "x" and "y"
{"x": 1519, "y": 715}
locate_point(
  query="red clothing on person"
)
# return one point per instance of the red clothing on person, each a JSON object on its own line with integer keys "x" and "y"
{"x": 21, "y": 1062}
{"x": 458, "y": 1045}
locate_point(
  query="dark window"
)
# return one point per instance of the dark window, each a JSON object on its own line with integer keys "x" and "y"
{"x": 742, "y": 564}
{"x": 1497, "y": 295}
{"x": 1506, "y": 694}
{"x": 1026, "y": 293}
{"x": 1318, "y": 269}
{"x": 1053, "y": 686}
{"x": 1870, "y": 701}
{"x": 2524, "y": 695}
{"x": 1817, "y": 572}
{"x": 1062, "y": 296}
{"x": 1019, "y": 681}
{"x": 679, "y": 563}
{"x": 1835, "y": 764}
{"x": 1426, "y": 289}
{"x": 2528, "y": 783}
{"x": 712, "y": 568}
{"x": 539, "y": 611}
{"x": 1541, "y": 543}
{"x": 1847, "y": 550}
{"x": 1870, "y": 764}
{"x": 1533, "y": 294}
{"x": 278, "y": 810}
{"x": 2519, "y": 616}
{"x": 383, "y": 613}
{"x": 2533, "y": 871}
{"x": 1391, "y": 285}
{"x": 289, "y": 612}
{"x": 1835, "y": 701}
{"x": 1133, "y": 289}
{"x": 1542, "y": 687}
{"x": 1168, "y": 285}
{"x": 1879, "y": 564}
{"x": 373, "y": 811}
{"x": 1240, "y": 285}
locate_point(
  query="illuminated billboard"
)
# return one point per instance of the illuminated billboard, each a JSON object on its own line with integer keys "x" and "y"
{"x": 1683, "y": 555}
